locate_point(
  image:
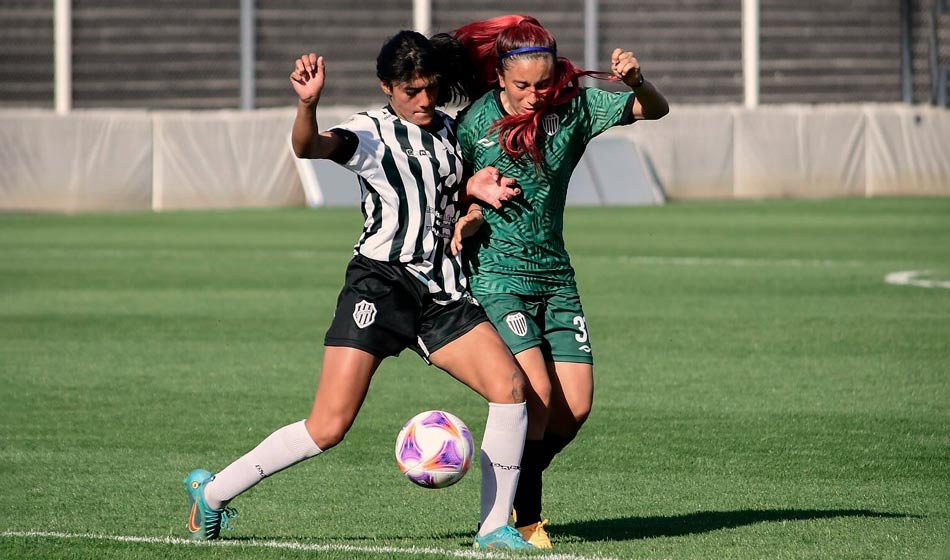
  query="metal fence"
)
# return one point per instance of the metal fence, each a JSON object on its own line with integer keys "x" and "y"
{"x": 187, "y": 54}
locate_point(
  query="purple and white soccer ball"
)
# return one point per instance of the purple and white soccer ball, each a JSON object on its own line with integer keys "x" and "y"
{"x": 434, "y": 449}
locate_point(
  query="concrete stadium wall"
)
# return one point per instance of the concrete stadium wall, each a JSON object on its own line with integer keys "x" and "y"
{"x": 797, "y": 151}
{"x": 177, "y": 160}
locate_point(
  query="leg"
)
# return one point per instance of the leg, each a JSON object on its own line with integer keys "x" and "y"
{"x": 480, "y": 360}
{"x": 539, "y": 391}
{"x": 572, "y": 396}
{"x": 344, "y": 380}
{"x": 570, "y": 377}
{"x": 527, "y": 502}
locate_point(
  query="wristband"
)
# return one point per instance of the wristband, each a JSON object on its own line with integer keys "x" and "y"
{"x": 639, "y": 82}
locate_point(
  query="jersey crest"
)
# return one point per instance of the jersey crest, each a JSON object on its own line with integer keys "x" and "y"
{"x": 364, "y": 313}
{"x": 517, "y": 323}
{"x": 550, "y": 124}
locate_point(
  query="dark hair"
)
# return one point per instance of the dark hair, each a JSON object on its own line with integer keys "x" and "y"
{"x": 408, "y": 55}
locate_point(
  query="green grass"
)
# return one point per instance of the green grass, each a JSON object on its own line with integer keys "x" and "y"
{"x": 761, "y": 391}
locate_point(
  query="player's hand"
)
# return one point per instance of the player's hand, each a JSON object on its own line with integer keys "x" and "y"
{"x": 491, "y": 188}
{"x": 625, "y": 67}
{"x": 308, "y": 78}
{"x": 465, "y": 227}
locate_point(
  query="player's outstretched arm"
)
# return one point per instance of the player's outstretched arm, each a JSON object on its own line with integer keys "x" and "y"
{"x": 308, "y": 80}
{"x": 649, "y": 103}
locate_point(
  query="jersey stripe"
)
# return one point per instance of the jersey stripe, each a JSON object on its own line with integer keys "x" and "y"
{"x": 409, "y": 179}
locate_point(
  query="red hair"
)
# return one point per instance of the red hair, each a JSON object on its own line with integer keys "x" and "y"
{"x": 487, "y": 41}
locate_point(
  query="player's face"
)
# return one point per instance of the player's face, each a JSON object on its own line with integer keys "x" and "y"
{"x": 523, "y": 80}
{"x": 414, "y": 101}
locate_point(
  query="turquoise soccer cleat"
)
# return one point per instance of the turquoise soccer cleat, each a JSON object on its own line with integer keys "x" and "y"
{"x": 502, "y": 538}
{"x": 204, "y": 523}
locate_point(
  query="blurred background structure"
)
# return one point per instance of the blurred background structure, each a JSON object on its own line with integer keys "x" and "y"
{"x": 71, "y": 56}
{"x": 187, "y": 54}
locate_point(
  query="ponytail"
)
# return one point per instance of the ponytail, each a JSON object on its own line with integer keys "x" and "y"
{"x": 456, "y": 79}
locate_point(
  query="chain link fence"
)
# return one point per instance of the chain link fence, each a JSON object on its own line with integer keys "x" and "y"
{"x": 185, "y": 54}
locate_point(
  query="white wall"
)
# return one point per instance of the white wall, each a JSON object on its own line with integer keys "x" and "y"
{"x": 94, "y": 160}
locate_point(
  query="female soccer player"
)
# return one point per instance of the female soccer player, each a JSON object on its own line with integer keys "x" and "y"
{"x": 533, "y": 123}
{"x": 403, "y": 288}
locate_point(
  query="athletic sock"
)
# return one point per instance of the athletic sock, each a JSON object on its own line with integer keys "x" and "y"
{"x": 528, "y": 495}
{"x": 552, "y": 445}
{"x": 537, "y": 457}
{"x": 500, "y": 461}
{"x": 284, "y": 448}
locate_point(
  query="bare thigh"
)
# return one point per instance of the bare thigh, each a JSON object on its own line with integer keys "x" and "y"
{"x": 344, "y": 381}
{"x": 539, "y": 390}
{"x": 481, "y": 360}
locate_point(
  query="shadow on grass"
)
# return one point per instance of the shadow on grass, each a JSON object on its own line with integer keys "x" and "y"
{"x": 630, "y": 528}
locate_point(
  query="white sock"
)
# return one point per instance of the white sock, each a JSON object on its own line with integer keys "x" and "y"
{"x": 500, "y": 460}
{"x": 284, "y": 448}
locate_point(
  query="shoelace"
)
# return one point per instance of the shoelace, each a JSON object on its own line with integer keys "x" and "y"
{"x": 511, "y": 533}
{"x": 542, "y": 534}
{"x": 227, "y": 514}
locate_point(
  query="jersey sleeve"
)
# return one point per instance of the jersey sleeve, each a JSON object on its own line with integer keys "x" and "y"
{"x": 606, "y": 109}
{"x": 463, "y": 131}
{"x": 365, "y": 158}
{"x": 464, "y": 135}
{"x": 347, "y": 147}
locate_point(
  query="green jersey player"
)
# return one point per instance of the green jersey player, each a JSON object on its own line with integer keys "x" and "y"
{"x": 533, "y": 124}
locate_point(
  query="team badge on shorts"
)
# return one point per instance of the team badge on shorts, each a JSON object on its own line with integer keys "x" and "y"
{"x": 364, "y": 313}
{"x": 551, "y": 123}
{"x": 517, "y": 323}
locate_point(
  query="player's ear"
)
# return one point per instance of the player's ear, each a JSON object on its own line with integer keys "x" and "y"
{"x": 501, "y": 78}
{"x": 386, "y": 89}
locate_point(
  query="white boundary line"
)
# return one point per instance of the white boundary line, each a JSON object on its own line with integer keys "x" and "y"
{"x": 909, "y": 278}
{"x": 316, "y": 253}
{"x": 722, "y": 261}
{"x": 292, "y": 545}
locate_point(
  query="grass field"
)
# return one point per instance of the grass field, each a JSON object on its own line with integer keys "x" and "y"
{"x": 762, "y": 392}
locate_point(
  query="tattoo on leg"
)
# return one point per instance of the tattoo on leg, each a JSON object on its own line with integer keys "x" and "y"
{"x": 517, "y": 387}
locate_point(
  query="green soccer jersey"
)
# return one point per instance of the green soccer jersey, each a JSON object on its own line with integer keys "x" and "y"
{"x": 520, "y": 248}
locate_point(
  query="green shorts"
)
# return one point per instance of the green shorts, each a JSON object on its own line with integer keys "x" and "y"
{"x": 555, "y": 322}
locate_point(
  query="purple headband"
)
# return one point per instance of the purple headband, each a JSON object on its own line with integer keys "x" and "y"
{"x": 523, "y": 50}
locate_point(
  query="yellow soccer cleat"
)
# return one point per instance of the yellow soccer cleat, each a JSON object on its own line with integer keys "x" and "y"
{"x": 536, "y": 535}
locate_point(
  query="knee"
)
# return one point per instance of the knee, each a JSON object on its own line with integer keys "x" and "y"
{"x": 508, "y": 388}
{"x": 581, "y": 413}
{"x": 566, "y": 423}
{"x": 539, "y": 389}
{"x": 327, "y": 434}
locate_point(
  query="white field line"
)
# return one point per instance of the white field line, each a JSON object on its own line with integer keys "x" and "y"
{"x": 723, "y": 261}
{"x": 201, "y": 253}
{"x": 912, "y": 278}
{"x": 196, "y": 253}
{"x": 291, "y": 545}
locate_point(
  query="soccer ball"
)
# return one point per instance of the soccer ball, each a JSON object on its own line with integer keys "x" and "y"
{"x": 434, "y": 449}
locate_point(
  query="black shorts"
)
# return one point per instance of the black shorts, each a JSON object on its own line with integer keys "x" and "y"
{"x": 384, "y": 309}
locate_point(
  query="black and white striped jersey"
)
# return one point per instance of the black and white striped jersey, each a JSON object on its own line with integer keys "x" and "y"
{"x": 410, "y": 179}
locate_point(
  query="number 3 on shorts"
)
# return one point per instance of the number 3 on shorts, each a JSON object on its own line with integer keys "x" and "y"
{"x": 581, "y": 325}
